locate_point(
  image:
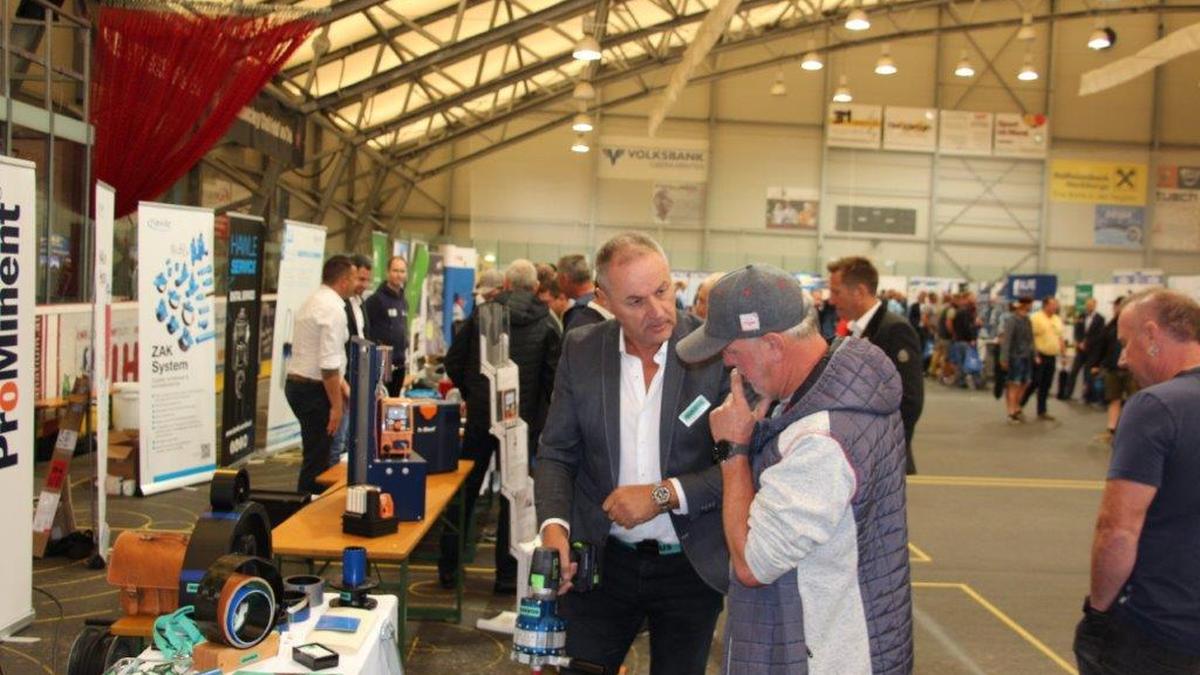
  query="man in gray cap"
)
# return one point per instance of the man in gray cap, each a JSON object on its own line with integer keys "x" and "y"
{"x": 819, "y": 549}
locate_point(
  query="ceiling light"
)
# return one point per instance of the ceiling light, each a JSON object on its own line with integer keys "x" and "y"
{"x": 582, "y": 123}
{"x": 580, "y": 145}
{"x": 857, "y": 20}
{"x": 587, "y": 49}
{"x": 812, "y": 61}
{"x": 842, "y": 93}
{"x": 489, "y": 257}
{"x": 885, "y": 65}
{"x": 584, "y": 91}
{"x": 964, "y": 67}
{"x": 780, "y": 87}
{"x": 1026, "y": 33}
{"x": 1102, "y": 38}
{"x": 1028, "y": 73}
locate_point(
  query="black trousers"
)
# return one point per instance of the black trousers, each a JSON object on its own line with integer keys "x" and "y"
{"x": 663, "y": 590}
{"x": 480, "y": 450}
{"x": 395, "y": 382}
{"x": 1077, "y": 364}
{"x": 1107, "y": 645}
{"x": 311, "y": 406}
{"x": 1040, "y": 381}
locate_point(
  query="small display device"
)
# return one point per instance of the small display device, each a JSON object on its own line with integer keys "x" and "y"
{"x": 396, "y": 428}
{"x": 315, "y": 656}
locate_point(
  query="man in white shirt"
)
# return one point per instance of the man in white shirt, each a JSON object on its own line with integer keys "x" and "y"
{"x": 625, "y": 463}
{"x": 357, "y": 325}
{"x": 316, "y": 389}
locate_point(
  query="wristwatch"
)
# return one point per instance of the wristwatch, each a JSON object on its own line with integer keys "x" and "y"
{"x": 661, "y": 495}
{"x": 723, "y": 450}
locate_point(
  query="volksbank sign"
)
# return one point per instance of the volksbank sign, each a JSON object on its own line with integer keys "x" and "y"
{"x": 672, "y": 159}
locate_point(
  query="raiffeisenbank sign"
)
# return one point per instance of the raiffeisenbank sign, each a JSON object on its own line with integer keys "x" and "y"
{"x": 663, "y": 159}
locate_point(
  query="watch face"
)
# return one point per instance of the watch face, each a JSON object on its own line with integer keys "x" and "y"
{"x": 661, "y": 495}
{"x": 721, "y": 451}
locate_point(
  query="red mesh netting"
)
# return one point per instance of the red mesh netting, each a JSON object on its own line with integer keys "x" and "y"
{"x": 168, "y": 85}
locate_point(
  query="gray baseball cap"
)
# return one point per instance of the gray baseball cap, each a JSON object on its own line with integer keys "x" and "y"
{"x": 746, "y": 303}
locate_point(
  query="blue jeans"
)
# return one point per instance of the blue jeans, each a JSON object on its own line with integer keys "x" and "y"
{"x": 341, "y": 439}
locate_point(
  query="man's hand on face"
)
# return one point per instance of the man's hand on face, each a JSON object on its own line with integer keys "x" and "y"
{"x": 630, "y": 505}
{"x": 733, "y": 420}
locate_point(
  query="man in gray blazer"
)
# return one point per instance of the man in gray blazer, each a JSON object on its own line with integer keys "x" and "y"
{"x": 626, "y": 463}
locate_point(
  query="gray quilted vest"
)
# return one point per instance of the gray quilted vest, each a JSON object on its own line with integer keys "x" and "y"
{"x": 860, "y": 389}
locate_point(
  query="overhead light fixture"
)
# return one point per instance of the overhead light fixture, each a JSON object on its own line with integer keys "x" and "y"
{"x": 580, "y": 145}
{"x": 964, "y": 67}
{"x": 857, "y": 20}
{"x": 842, "y": 93}
{"x": 587, "y": 49}
{"x": 489, "y": 257}
{"x": 812, "y": 59}
{"x": 1102, "y": 38}
{"x": 1028, "y": 72}
{"x": 1026, "y": 33}
{"x": 582, "y": 123}
{"x": 885, "y": 65}
{"x": 584, "y": 91}
{"x": 779, "y": 88}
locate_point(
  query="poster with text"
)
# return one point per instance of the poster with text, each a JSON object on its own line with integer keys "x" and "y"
{"x": 791, "y": 208}
{"x": 380, "y": 254}
{"x": 679, "y": 203}
{"x": 102, "y": 324}
{"x": 962, "y": 132}
{"x": 672, "y": 159}
{"x": 300, "y": 260}
{"x": 1122, "y": 226}
{"x": 18, "y": 203}
{"x": 1020, "y": 135}
{"x": 177, "y": 340}
{"x": 240, "y": 396}
{"x": 913, "y": 129}
{"x": 1177, "y": 202}
{"x": 854, "y": 125}
{"x": 1084, "y": 181}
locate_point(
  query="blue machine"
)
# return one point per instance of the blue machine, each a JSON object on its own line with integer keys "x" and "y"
{"x": 400, "y": 474}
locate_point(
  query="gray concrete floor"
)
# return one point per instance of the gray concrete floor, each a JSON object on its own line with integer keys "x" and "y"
{"x": 1000, "y": 522}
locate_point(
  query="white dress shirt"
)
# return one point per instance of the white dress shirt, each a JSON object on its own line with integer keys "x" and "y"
{"x": 356, "y": 306}
{"x": 859, "y": 325}
{"x": 319, "y": 335}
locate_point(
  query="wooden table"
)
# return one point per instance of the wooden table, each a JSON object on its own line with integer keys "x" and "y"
{"x": 334, "y": 476}
{"x": 315, "y": 533}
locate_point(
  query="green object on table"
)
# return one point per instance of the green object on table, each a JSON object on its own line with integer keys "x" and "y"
{"x": 175, "y": 634}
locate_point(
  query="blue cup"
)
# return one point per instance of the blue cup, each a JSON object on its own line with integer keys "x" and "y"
{"x": 354, "y": 566}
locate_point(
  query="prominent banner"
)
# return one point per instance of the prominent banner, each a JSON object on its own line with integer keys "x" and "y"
{"x": 665, "y": 159}
{"x": 1098, "y": 182}
{"x": 178, "y": 351}
{"x": 102, "y": 269}
{"x": 853, "y": 125}
{"x": 1123, "y": 226}
{"x": 379, "y": 258}
{"x": 18, "y": 201}
{"x": 1036, "y": 286}
{"x": 240, "y": 398}
{"x": 910, "y": 129}
{"x": 300, "y": 261}
{"x": 965, "y": 133}
{"x": 1020, "y": 135}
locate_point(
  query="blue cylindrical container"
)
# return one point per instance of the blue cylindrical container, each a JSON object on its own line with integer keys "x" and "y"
{"x": 354, "y": 566}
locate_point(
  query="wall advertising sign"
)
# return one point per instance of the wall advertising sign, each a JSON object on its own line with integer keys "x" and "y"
{"x": 240, "y": 396}
{"x": 1020, "y": 135}
{"x": 176, "y": 334}
{"x": 1036, "y": 286}
{"x": 910, "y": 129}
{"x": 18, "y": 200}
{"x": 300, "y": 260}
{"x": 1123, "y": 226}
{"x": 1098, "y": 182}
{"x": 1177, "y": 201}
{"x": 669, "y": 159}
{"x": 961, "y": 132}
{"x": 854, "y": 125}
{"x": 792, "y": 208}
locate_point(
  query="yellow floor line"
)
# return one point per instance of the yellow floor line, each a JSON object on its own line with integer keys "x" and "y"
{"x": 59, "y": 567}
{"x": 986, "y": 481}
{"x": 915, "y": 554}
{"x": 73, "y": 581}
{"x": 84, "y": 615}
{"x": 1005, "y": 619}
{"x": 27, "y": 657}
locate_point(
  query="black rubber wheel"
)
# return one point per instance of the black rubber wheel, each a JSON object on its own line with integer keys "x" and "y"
{"x": 88, "y": 652}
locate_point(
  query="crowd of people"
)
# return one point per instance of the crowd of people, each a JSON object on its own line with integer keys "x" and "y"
{"x": 750, "y": 454}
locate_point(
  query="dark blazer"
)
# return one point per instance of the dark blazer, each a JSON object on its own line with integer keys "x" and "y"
{"x": 580, "y": 451}
{"x": 896, "y": 337}
{"x": 1091, "y": 334}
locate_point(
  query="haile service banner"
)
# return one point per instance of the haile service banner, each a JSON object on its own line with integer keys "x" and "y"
{"x": 240, "y": 397}
{"x": 177, "y": 346}
{"x": 18, "y": 199}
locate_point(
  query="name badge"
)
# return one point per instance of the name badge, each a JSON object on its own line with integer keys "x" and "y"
{"x": 694, "y": 410}
{"x": 392, "y": 312}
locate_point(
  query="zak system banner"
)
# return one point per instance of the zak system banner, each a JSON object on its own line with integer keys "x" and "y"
{"x": 176, "y": 332}
{"x": 240, "y": 397}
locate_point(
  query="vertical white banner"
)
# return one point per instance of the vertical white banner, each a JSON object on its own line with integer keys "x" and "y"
{"x": 300, "y": 260}
{"x": 176, "y": 346}
{"x": 18, "y": 198}
{"x": 101, "y": 346}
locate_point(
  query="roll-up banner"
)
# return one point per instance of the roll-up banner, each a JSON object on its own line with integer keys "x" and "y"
{"x": 300, "y": 261}
{"x": 102, "y": 268}
{"x": 241, "y": 337}
{"x": 18, "y": 199}
{"x": 177, "y": 344}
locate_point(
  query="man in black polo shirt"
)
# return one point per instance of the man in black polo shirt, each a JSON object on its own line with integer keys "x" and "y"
{"x": 1143, "y": 613}
{"x": 387, "y": 314}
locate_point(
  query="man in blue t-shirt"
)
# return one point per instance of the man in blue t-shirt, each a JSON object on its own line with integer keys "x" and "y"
{"x": 1143, "y": 613}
